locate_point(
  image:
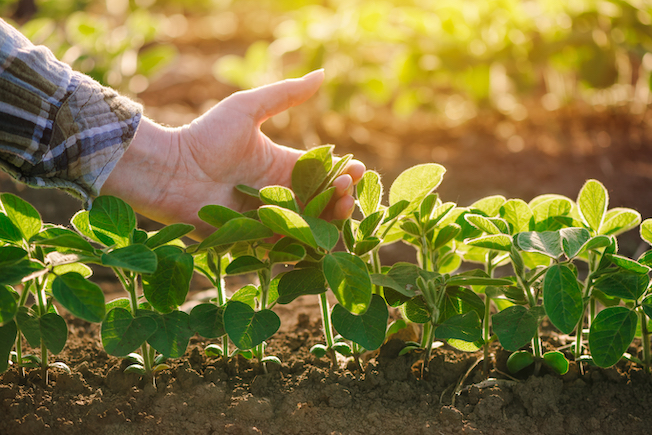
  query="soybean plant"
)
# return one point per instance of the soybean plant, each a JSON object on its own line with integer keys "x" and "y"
{"x": 155, "y": 272}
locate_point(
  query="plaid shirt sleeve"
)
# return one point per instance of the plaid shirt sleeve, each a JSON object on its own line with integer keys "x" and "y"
{"x": 58, "y": 128}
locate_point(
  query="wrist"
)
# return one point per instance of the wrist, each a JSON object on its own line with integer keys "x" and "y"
{"x": 139, "y": 177}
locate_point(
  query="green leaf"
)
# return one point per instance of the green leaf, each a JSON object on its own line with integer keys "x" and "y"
{"x": 497, "y": 242}
{"x": 489, "y": 206}
{"x": 465, "y": 327}
{"x": 318, "y": 204}
{"x": 573, "y": 240}
{"x": 325, "y": 233}
{"x": 118, "y": 303}
{"x": 11, "y": 255}
{"x": 647, "y": 306}
{"x": 139, "y": 236}
{"x": 518, "y": 215}
{"x": 546, "y": 242}
{"x": 300, "y": 282}
{"x": 310, "y": 171}
{"x": 81, "y": 297}
{"x": 8, "y": 231}
{"x": 646, "y": 231}
{"x": 467, "y": 279}
{"x": 286, "y": 251}
{"x": 207, "y": 320}
{"x": 287, "y": 223}
{"x": 217, "y": 215}
{"x": 557, "y": 361}
{"x": 646, "y": 258}
{"x": 248, "y": 190}
{"x": 369, "y": 192}
{"x": 122, "y": 334}
{"x": 8, "y": 334}
{"x": 248, "y": 328}
{"x": 619, "y": 220}
{"x": 236, "y": 230}
{"x": 167, "y": 287}
{"x": 628, "y": 264}
{"x": 280, "y": 196}
{"x": 415, "y": 183}
{"x": 460, "y": 300}
{"x": 172, "y": 334}
{"x": 623, "y": 284}
{"x": 349, "y": 280}
{"x": 426, "y": 208}
{"x": 81, "y": 223}
{"x": 482, "y": 223}
{"x": 167, "y": 234}
{"x": 395, "y": 210}
{"x": 592, "y": 202}
{"x": 319, "y": 350}
{"x": 370, "y": 224}
{"x": 50, "y": 327}
{"x": 611, "y": 333}
{"x": 416, "y": 310}
{"x": 64, "y": 238}
{"x": 247, "y": 295}
{"x": 368, "y": 329}
{"x": 8, "y": 306}
{"x": 546, "y": 208}
{"x": 515, "y": 326}
{"x": 112, "y": 221}
{"x": 22, "y": 215}
{"x": 366, "y": 245}
{"x": 244, "y": 264}
{"x": 338, "y": 169}
{"x": 519, "y": 360}
{"x": 13, "y": 274}
{"x": 137, "y": 258}
{"x": 402, "y": 277}
{"x": 446, "y": 234}
{"x": 562, "y": 298}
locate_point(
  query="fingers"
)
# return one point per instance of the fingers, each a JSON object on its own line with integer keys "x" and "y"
{"x": 356, "y": 170}
{"x": 344, "y": 184}
{"x": 343, "y": 207}
{"x": 267, "y": 101}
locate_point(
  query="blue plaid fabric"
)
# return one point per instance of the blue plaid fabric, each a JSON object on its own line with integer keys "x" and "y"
{"x": 58, "y": 128}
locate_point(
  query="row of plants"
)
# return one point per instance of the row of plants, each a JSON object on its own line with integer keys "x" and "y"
{"x": 493, "y": 54}
{"x": 386, "y": 53}
{"x": 494, "y": 270}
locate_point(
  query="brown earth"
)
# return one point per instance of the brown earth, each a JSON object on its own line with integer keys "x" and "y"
{"x": 549, "y": 152}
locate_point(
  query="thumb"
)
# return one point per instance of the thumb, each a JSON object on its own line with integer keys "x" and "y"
{"x": 266, "y": 101}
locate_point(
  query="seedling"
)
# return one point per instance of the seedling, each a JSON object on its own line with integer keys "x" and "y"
{"x": 148, "y": 318}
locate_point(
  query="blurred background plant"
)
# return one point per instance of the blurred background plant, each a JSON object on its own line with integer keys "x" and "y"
{"x": 441, "y": 56}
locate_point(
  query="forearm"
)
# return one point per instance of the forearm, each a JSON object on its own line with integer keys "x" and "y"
{"x": 142, "y": 175}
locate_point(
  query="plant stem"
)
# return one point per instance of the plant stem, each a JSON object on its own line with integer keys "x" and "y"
{"x": 19, "y": 335}
{"x": 429, "y": 340}
{"x": 328, "y": 328}
{"x": 538, "y": 354}
{"x": 215, "y": 263}
{"x": 486, "y": 334}
{"x": 376, "y": 268}
{"x": 264, "y": 277}
{"x": 645, "y": 338}
{"x": 486, "y": 324}
{"x": 41, "y": 299}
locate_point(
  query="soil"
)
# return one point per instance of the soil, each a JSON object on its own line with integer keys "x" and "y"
{"x": 548, "y": 152}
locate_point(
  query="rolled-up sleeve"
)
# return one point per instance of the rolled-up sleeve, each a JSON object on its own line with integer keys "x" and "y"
{"x": 58, "y": 128}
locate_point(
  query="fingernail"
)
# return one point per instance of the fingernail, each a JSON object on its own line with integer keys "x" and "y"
{"x": 315, "y": 72}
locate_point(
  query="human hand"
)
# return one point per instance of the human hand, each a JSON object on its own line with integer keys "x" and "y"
{"x": 169, "y": 174}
